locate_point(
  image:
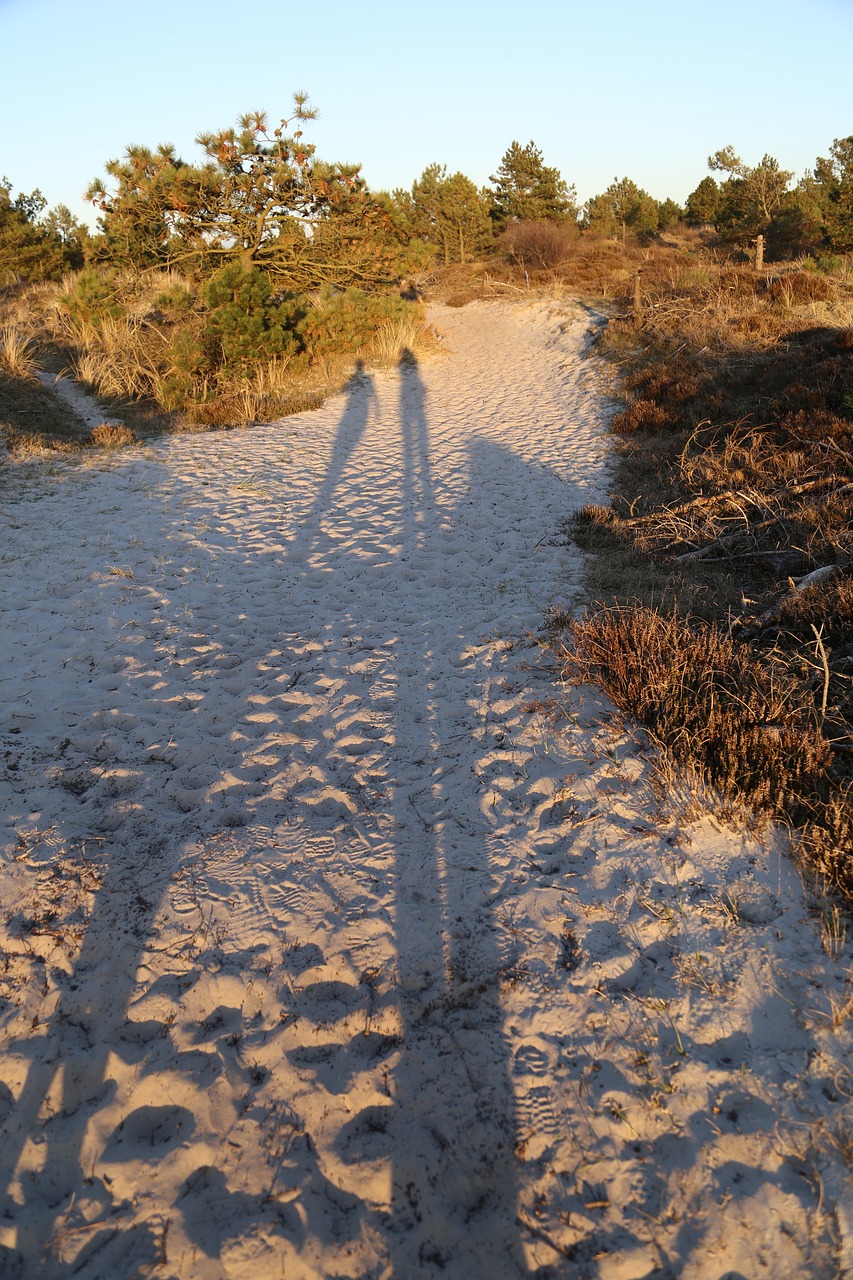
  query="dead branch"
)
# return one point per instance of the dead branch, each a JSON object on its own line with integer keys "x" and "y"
{"x": 729, "y": 495}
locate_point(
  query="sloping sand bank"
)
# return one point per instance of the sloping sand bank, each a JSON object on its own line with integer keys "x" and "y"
{"x": 327, "y": 951}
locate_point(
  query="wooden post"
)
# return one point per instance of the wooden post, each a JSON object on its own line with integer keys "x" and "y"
{"x": 638, "y": 300}
{"x": 759, "y": 253}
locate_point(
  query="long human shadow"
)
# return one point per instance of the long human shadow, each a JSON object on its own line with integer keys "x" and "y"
{"x": 68, "y": 1078}
{"x": 360, "y": 404}
{"x": 454, "y": 1188}
{"x": 453, "y": 1124}
{"x": 79, "y": 1037}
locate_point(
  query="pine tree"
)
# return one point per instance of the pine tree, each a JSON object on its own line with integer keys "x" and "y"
{"x": 703, "y": 204}
{"x": 262, "y": 198}
{"x": 450, "y": 213}
{"x": 750, "y": 198}
{"x": 622, "y": 207}
{"x": 527, "y": 190}
{"x": 30, "y": 247}
{"x": 833, "y": 182}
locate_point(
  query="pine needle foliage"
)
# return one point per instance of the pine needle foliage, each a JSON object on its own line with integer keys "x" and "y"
{"x": 526, "y": 189}
{"x": 262, "y": 197}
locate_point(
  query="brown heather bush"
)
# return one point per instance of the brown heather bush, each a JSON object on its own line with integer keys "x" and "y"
{"x": 742, "y": 718}
{"x": 795, "y": 287}
{"x": 640, "y": 415}
{"x": 540, "y": 246}
{"x": 749, "y": 725}
{"x": 826, "y": 844}
{"x": 828, "y": 604}
{"x": 800, "y": 625}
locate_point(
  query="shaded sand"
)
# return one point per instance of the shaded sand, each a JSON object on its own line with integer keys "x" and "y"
{"x": 87, "y": 410}
{"x": 327, "y": 951}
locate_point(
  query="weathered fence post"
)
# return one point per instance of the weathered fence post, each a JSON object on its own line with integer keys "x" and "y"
{"x": 759, "y": 253}
{"x": 638, "y": 299}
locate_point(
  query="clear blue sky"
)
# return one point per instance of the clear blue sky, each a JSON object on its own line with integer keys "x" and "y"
{"x": 643, "y": 88}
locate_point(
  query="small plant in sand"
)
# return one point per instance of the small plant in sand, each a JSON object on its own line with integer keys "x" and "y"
{"x": 112, "y": 435}
{"x": 833, "y": 931}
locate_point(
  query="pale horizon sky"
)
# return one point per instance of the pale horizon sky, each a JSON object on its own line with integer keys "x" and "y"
{"x": 646, "y": 90}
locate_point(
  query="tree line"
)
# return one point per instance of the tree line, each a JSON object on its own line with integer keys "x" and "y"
{"x": 263, "y": 198}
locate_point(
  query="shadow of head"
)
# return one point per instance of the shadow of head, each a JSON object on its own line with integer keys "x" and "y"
{"x": 358, "y": 376}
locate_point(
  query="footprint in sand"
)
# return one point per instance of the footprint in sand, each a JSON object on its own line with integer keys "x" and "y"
{"x": 148, "y": 1131}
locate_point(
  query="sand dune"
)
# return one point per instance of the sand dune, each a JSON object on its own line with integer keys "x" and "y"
{"x": 328, "y": 950}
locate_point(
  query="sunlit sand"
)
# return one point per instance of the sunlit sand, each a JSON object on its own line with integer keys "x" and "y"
{"x": 338, "y": 939}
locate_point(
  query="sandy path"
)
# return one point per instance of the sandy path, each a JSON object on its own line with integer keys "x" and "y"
{"x": 326, "y": 951}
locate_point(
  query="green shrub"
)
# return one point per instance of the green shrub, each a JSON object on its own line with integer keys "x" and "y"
{"x": 345, "y": 323}
{"x": 93, "y": 295}
{"x": 189, "y": 375}
{"x": 174, "y": 301}
{"x": 246, "y": 320}
{"x": 829, "y": 263}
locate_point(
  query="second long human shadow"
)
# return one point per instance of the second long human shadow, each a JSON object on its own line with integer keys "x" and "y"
{"x": 454, "y": 1188}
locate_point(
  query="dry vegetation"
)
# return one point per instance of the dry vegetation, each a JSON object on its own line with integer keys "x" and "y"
{"x": 722, "y": 567}
{"x": 721, "y": 570}
{"x": 32, "y": 419}
{"x": 140, "y": 343}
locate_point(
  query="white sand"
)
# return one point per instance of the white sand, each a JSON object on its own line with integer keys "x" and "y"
{"x": 86, "y": 409}
{"x": 326, "y": 951}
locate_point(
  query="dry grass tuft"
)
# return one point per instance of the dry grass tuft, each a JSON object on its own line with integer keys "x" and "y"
{"x": 113, "y": 435}
{"x": 263, "y": 394}
{"x": 826, "y": 844}
{"x": 17, "y": 352}
{"x": 398, "y": 339}
{"x": 119, "y": 359}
